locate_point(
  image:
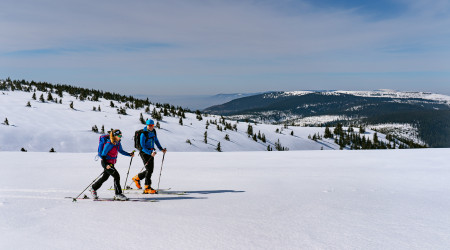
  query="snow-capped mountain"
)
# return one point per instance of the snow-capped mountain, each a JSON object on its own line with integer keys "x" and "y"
{"x": 427, "y": 112}
{"x": 387, "y": 93}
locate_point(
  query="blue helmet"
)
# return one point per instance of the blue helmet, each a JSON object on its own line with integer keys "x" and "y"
{"x": 150, "y": 122}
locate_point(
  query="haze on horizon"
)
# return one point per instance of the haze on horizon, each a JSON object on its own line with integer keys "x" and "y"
{"x": 206, "y": 47}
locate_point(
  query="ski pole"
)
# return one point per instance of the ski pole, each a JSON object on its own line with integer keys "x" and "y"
{"x": 75, "y": 199}
{"x": 146, "y": 164}
{"x": 160, "y": 171}
{"x": 125, "y": 186}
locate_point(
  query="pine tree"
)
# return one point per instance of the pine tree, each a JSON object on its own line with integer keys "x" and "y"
{"x": 34, "y": 96}
{"x": 28, "y": 104}
{"x": 141, "y": 119}
{"x": 99, "y": 109}
{"x": 181, "y": 121}
{"x": 227, "y": 137}
{"x": 103, "y": 129}
{"x": 188, "y": 141}
{"x": 158, "y": 125}
{"x": 49, "y": 97}
{"x": 375, "y": 138}
{"x": 6, "y": 122}
{"x": 263, "y": 138}
{"x": 60, "y": 101}
{"x": 255, "y": 138}
{"x": 292, "y": 132}
{"x": 362, "y": 130}
{"x": 94, "y": 108}
{"x": 205, "y": 137}
{"x": 279, "y": 147}
{"x": 328, "y": 133}
{"x": 218, "y": 148}
{"x": 121, "y": 111}
{"x": 41, "y": 98}
{"x": 71, "y": 105}
{"x": 52, "y": 150}
{"x": 111, "y": 104}
{"x": 249, "y": 130}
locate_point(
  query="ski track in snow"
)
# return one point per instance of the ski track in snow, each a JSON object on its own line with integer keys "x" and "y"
{"x": 381, "y": 199}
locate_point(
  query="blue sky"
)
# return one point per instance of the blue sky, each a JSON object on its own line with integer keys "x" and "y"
{"x": 176, "y": 47}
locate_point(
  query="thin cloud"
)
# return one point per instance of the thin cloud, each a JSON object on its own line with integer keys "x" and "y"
{"x": 180, "y": 42}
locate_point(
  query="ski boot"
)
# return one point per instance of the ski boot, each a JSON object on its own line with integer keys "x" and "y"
{"x": 149, "y": 190}
{"x": 93, "y": 193}
{"x": 137, "y": 182}
{"x": 120, "y": 197}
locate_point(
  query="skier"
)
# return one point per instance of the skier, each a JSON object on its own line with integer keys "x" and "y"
{"x": 109, "y": 157}
{"x": 148, "y": 139}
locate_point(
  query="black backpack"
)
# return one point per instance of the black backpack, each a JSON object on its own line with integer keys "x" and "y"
{"x": 137, "y": 138}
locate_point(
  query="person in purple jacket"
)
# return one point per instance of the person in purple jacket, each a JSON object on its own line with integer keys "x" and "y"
{"x": 109, "y": 154}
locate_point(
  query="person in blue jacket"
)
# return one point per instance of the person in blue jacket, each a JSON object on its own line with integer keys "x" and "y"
{"x": 148, "y": 140}
{"x": 109, "y": 158}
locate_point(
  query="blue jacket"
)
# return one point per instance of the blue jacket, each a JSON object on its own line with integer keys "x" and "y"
{"x": 110, "y": 151}
{"x": 148, "y": 143}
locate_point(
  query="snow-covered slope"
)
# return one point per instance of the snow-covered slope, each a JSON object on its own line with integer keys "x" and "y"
{"x": 50, "y": 125}
{"x": 380, "y": 199}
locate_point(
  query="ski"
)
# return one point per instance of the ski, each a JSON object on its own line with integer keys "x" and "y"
{"x": 129, "y": 199}
{"x": 135, "y": 189}
{"x": 112, "y": 199}
{"x": 160, "y": 192}
{"x": 172, "y": 193}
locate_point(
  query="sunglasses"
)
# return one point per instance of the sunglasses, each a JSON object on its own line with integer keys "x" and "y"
{"x": 120, "y": 136}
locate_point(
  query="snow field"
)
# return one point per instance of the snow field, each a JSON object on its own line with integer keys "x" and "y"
{"x": 50, "y": 125}
{"x": 383, "y": 199}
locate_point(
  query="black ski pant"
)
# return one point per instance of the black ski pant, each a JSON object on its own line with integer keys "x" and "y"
{"x": 149, "y": 163}
{"x": 106, "y": 173}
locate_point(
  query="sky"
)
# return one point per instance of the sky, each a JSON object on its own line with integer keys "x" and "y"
{"x": 177, "y": 47}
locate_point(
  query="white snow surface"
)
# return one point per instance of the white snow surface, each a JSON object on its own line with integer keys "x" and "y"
{"x": 381, "y": 199}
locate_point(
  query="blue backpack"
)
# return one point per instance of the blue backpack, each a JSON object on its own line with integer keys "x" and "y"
{"x": 101, "y": 144}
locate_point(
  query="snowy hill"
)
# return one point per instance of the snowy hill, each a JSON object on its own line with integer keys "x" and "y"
{"x": 47, "y": 125}
{"x": 428, "y": 113}
{"x": 378, "y": 199}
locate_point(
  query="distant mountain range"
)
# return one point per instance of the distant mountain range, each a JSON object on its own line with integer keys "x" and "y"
{"x": 429, "y": 112}
{"x": 196, "y": 102}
